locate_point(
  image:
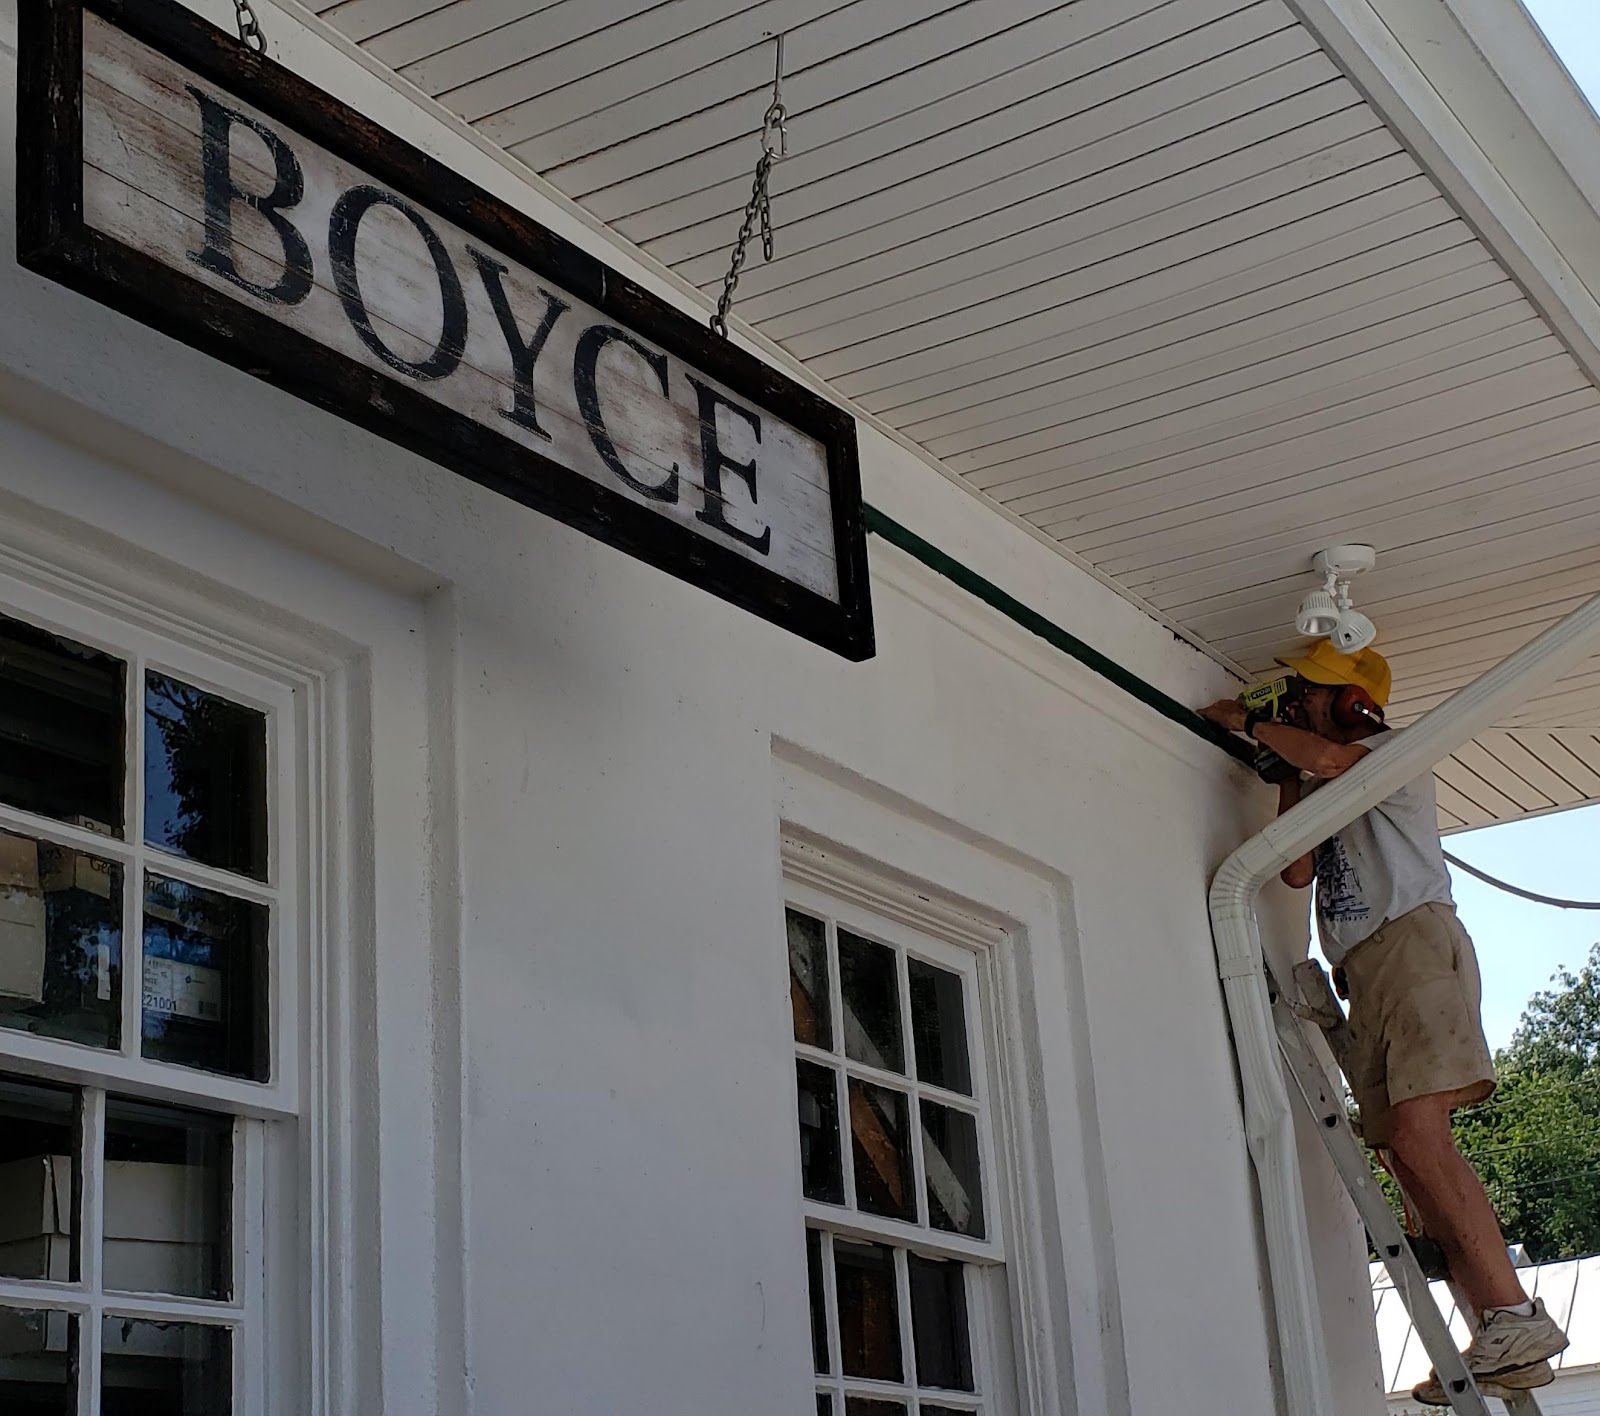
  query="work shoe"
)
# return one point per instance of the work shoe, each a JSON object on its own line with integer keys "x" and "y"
{"x": 1505, "y": 1386}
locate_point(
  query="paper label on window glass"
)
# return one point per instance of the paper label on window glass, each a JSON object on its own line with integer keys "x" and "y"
{"x": 182, "y": 990}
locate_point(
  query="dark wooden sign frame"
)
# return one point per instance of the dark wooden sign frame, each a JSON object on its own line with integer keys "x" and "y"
{"x": 54, "y": 240}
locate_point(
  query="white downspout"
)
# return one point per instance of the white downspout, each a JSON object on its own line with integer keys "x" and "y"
{"x": 1234, "y": 890}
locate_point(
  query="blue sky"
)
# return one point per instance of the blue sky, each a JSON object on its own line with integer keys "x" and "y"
{"x": 1573, "y": 29}
{"x": 1520, "y": 944}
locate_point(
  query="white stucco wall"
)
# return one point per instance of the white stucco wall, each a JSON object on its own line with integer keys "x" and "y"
{"x": 587, "y": 1193}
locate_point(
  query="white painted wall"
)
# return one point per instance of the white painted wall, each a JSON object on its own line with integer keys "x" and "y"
{"x": 586, "y": 1195}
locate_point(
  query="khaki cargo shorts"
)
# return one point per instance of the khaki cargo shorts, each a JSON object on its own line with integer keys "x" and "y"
{"x": 1414, "y": 1013}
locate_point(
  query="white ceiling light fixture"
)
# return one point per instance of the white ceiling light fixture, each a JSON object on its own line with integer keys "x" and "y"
{"x": 1328, "y": 613}
{"x": 1319, "y": 612}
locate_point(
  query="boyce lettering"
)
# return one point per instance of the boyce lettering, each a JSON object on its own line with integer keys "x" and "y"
{"x": 523, "y": 339}
{"x": 234, "y": 206}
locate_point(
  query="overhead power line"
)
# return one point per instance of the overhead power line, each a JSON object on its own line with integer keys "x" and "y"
{"x": 1538, "y": 1184}
{"x": 1509, "y": 1097}
{"x": 1518, "y": 890}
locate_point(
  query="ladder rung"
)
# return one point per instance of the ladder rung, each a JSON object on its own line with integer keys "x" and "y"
{"x": 1350, "y": 1160}
{"x": 1322, "y": 1008}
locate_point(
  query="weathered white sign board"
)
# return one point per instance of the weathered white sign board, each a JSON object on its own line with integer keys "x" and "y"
{"x": 180, "y": 177}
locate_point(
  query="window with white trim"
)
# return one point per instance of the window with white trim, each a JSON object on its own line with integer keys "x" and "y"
{"x": 147, "y": 987}
{"x": 903, "y": 1250}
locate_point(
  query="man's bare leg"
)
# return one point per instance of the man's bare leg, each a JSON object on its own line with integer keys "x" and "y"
{"x": 1451, "y": 1200}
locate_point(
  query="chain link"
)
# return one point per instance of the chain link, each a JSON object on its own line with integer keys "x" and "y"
{"x": 250, "y": 27}
{"x": 758, "y": 208}
{"x": 774, "y": 148}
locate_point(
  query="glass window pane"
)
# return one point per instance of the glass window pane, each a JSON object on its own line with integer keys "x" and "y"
{"x": 205, "y": 979}
{"x": 867, "y": 979}
{"x": 38, "y": 1140}
{"x": 164, "y": 1368}
{"x": 939, "y": 1027}
{"x": 61, "y": 728}
{"x": 808, "y": 979}
{"x": 166, "y": 1200}
{"x": 821, "y": 1175}
{"x": 824, "y": 1404}
{"x": 950, "y": 1156}
{"x": 38, "y": 1352}
{"x": 869, "y": 1310}
{"x": 880, "y": 1133}
{"x": 872, "y": 1406}
{"x": 819, "y": 1302}
{"x": 939, "y": 1323}
{"x": 60, "y": 942}
{"x": 205, "y": 777}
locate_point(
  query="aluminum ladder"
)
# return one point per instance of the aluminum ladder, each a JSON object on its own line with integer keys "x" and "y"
{"x": 1315, "y": 1002}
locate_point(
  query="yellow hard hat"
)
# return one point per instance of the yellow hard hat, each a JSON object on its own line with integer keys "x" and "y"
{"x": 1324, "y": 664}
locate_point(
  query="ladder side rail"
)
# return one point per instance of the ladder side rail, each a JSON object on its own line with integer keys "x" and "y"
{"x": 1350, "y": 1161}
{"x": 1320, "y": 1005}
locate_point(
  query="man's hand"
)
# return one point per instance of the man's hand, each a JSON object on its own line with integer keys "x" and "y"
{"x": 1226, "y": 713}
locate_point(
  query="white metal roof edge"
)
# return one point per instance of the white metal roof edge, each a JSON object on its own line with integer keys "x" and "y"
{"x": 697, "y": 302}
{"x": 1474, "y": 91}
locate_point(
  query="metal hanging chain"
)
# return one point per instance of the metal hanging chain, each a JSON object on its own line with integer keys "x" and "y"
{"x": 758, "y": 210}
{"x": 250, "y": 26}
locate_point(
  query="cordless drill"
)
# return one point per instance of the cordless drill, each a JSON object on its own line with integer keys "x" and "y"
{"x": 1268, "y": 699}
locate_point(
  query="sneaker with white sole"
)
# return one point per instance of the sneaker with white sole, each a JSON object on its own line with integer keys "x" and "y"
{"x": 1508, "y": 1340}
{"x": 1505, "y": 1386}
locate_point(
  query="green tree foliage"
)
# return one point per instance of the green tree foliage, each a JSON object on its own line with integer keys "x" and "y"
{"x": 1536, "y": 1141}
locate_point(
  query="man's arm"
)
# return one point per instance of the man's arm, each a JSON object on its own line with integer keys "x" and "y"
{"x": 1298, "y": 873}
{"x": 1309, "y": 752}
{"x": 1296, "y": 746}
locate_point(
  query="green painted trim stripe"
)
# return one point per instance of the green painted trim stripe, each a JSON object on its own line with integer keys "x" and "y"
{"x": 1053, "y": 634}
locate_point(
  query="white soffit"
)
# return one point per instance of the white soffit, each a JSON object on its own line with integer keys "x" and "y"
{"x": 1151, "y": 274}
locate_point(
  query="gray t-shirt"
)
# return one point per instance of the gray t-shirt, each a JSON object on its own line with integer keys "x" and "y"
{"x": 1381, "y": 866}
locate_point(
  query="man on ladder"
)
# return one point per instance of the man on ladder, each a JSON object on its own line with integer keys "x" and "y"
{"x": 1387, "y": 923}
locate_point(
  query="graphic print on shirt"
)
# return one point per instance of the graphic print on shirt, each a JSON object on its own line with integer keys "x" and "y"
{"x": 1339, "y": 893}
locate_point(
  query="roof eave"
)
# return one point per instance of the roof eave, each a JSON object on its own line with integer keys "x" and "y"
{"x": 1475, "y": 92}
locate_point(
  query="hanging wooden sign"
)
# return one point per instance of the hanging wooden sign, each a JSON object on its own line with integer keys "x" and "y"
{"x": 172, "y": 173}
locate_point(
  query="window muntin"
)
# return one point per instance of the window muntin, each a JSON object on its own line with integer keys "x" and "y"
{"x": 154, "y": 933}
{"x": 124, "y": 1224}
{"x": 174, "y": 911}
{"x": 896, "y": 1165}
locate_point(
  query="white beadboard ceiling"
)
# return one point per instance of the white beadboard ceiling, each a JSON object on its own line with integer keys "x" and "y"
{"x": 1151, "y": 274}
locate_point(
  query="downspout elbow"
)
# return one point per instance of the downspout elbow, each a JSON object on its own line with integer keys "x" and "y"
{"x": 1232, "y": 903}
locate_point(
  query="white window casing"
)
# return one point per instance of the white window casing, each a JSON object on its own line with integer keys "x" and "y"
{"x": 301, "y": 1241}
{"x": 829, "y": 886}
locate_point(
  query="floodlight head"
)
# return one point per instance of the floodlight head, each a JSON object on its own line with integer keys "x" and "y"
{"x": 1319, "y": 614}
{"x": 1353, "y": 632}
